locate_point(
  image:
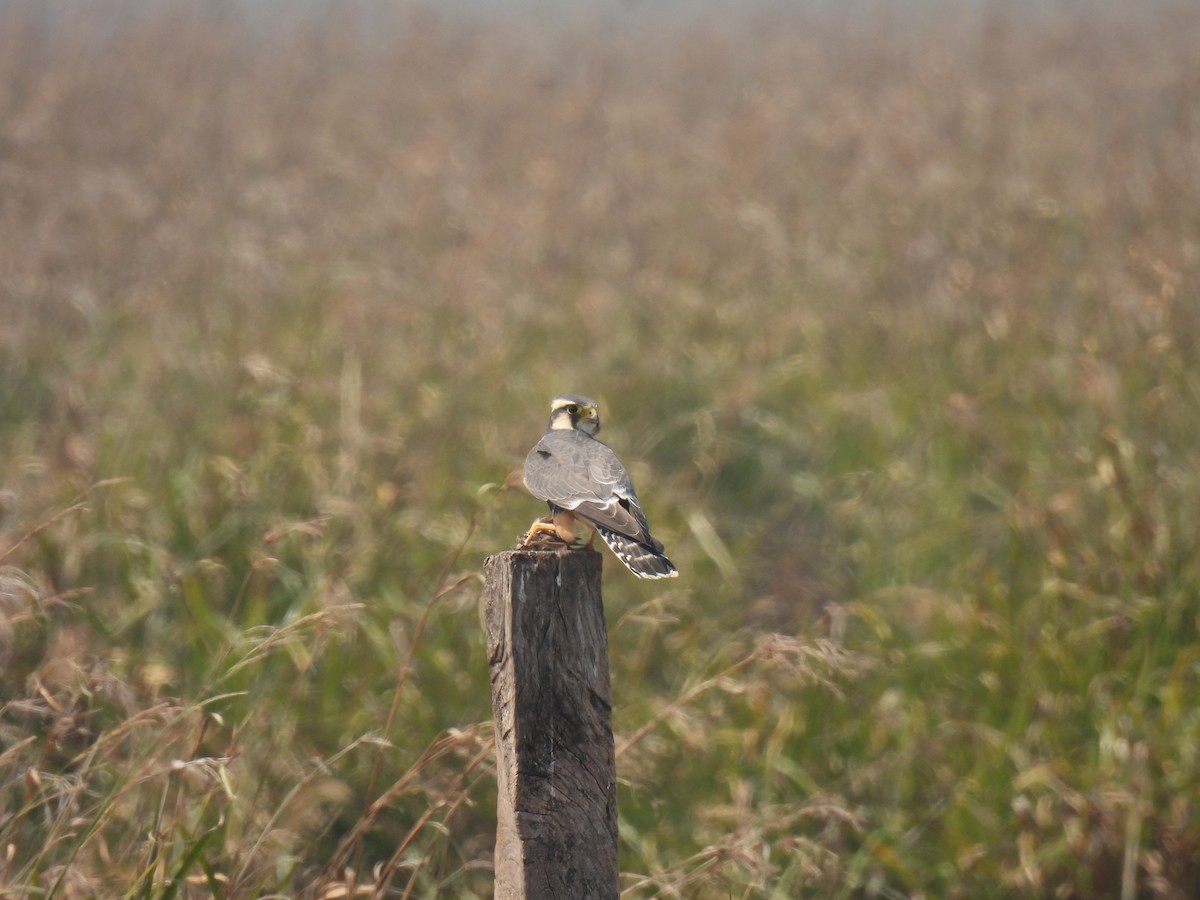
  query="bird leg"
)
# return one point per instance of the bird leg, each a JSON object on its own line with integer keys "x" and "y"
{"x": 562, "y": 525}
{"x": 565, "y": 523}
{"x": 539, "y": 527}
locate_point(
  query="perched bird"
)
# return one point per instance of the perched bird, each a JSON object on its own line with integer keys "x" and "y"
{"x": 582, "y": 479}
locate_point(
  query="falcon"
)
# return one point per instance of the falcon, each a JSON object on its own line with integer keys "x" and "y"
{"x": 583, "y": 481}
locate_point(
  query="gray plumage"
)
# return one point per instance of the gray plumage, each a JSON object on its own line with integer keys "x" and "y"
{"x": 574, "y": 472}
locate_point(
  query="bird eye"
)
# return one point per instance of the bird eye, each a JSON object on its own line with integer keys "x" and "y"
{"x": 573, "y": 409}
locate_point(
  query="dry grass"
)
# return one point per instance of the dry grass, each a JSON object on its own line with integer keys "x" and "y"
{"x": 895, "y": 317}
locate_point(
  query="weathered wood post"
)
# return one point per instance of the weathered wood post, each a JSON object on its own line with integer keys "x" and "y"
{"x": 556, "y": 828}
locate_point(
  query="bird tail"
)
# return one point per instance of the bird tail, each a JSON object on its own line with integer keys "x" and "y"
{"x": 643, "y": 560}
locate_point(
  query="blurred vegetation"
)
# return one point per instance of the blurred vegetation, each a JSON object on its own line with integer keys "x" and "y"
{"x": 894, "y": 317}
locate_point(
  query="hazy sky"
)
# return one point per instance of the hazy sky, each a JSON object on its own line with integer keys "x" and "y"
{"x": 571, "y": 10}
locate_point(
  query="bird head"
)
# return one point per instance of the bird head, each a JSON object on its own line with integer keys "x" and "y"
{"x": 574, "y": 411}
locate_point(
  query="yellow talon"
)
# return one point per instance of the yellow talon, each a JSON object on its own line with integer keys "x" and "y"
{"x": 541, "y": 526}
{"x": 562, "y": 526}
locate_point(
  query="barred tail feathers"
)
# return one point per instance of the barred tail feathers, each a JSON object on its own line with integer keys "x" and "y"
{"x": 642, "y": 560}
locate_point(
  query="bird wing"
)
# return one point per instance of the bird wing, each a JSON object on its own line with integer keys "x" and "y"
{"x": 579, "y": 473}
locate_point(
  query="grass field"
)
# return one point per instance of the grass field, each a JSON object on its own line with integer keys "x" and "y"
{"x": 894, "y": 315}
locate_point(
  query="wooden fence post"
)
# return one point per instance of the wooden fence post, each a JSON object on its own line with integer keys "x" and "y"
{"x": 556, "y": 821}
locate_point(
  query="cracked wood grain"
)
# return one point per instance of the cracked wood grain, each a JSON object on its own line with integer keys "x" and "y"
{"x": 556, "y": 828}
